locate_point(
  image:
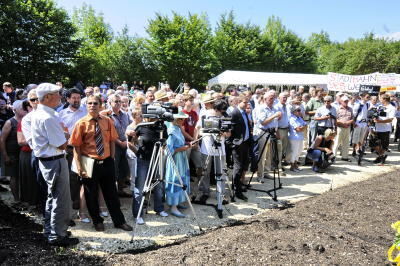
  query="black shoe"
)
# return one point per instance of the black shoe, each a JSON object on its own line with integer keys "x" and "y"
{"x": 72, "y": 223}
{"x": 3, "y": 189}
{"x": 378, "y": 160}
{"x": 99, "y": 227}
{"x": 241, "y": 196}
{"x": 346, "y": 159}
{"x": 384, "y": 158}
{"x": 64, "y": 242}
{"x": 285, "y": 163}
{"x": 125, "y": 227}
{"x": 203, "y": 199}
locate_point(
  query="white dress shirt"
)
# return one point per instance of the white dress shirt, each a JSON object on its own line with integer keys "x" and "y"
{"x": 47, "y": 133}
{"x": 69, "y": 117}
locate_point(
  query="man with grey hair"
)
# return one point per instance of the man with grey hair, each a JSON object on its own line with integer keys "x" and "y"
{"x": 325, "y": 116}
{"x": 49, "y": 141}
{"x": 266, "y": 121}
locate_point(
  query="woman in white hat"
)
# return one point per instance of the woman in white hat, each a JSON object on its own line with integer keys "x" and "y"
{"x": 176, "y": 144}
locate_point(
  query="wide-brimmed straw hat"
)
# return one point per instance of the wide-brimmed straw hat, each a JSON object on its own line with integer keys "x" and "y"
{"x": 208, "y": 98}
{"x": 161, "y": 94}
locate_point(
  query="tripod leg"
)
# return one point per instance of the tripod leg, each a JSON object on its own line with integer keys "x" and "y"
{"x": 153, "y": 167}
{"x": 220, "y": 184}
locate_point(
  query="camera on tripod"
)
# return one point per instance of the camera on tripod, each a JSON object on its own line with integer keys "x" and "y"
{"x": 216, "y": 124}
{"x": 158, "y": 110}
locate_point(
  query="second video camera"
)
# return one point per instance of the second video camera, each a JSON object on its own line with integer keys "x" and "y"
{"x": 216, "y": 124}
{"x": 158, "y": 110}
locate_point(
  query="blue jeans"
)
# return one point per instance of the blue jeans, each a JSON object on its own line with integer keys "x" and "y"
{"x": 314, "y": 155}
{"x": 142, "y": 168}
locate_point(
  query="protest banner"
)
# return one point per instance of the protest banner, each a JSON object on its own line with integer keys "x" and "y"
{"x": 352, "y": 83}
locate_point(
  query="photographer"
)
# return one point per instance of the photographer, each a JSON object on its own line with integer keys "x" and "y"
{"x": 325, "y": 116}
{"x": 383, "y": 127}
{"x": 213, "y": 145}
{"x": 320, "y": 151}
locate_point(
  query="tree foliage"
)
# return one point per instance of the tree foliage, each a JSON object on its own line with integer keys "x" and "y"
{"x": 36, "y": 41}
{"x": 236, "y": 46}
{"x": 180, "y": 48}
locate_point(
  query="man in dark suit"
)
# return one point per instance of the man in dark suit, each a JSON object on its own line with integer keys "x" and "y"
{"x": 240, "y": 138}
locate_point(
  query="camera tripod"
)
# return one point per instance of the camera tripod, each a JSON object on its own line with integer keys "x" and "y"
{"x": 274, "y": 165}
{"x": 220, "y": 173}
{"x": 155, "y": 175}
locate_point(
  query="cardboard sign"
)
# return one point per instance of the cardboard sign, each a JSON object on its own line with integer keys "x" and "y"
{"x": 370, "y": 89}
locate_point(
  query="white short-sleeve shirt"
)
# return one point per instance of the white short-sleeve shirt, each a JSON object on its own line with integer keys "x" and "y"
{"x": 47, "y": 133}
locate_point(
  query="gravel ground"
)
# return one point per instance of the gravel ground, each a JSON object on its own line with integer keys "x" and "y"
{"x": 350, "y": 224}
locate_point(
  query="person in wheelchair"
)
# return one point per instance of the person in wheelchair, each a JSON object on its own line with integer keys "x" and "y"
{"x": 320, "y": 151}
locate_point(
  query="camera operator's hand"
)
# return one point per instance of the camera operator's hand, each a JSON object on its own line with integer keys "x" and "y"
{"x": 278, "y": 115}
{"x": 130, "y": 133}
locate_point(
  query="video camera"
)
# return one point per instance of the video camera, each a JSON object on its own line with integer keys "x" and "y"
{"x": 376, "y": 112}
{"x": 158, "y": 110}
{"x": 216, "y": 124}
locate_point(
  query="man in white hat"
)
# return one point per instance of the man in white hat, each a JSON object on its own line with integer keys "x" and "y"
{"x": 344, "y": 120}
{"x": 49, "y": 141}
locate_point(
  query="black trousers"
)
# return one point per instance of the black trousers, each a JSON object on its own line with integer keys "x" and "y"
{"x": 74, "y": 183}
{"x": 240, "y": 162}
{"x": 103, "y": 175}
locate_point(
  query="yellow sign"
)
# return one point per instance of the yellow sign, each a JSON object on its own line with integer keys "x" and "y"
{"x": 388, "y": 89}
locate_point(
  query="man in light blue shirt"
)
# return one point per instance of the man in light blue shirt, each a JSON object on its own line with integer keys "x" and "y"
{"x": 267, "y": 119}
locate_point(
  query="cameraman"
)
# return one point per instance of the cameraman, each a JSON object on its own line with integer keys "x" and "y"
{"x": 141, "y": 143}
{"x": 217, "y": 154}
{"x": 383, "y": 127}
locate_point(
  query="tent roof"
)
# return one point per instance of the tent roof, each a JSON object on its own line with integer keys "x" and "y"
{"x": 232, "y": 77}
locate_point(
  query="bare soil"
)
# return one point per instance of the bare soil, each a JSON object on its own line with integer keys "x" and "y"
{"x": 350, "y": 225}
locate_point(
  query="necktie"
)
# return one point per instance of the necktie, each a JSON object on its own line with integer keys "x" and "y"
{"x": 99, "y": 139}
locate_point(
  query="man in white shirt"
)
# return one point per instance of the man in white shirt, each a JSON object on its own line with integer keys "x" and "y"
{"x": 68, "y": 117}
{"x": 48, "y": 143}
{"x": 383, "y": 127}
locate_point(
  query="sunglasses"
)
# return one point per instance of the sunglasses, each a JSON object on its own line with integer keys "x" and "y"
{"x": 33, "y": 99}
{"x": 117, "y": 101}
{"x": 92, "y": 103}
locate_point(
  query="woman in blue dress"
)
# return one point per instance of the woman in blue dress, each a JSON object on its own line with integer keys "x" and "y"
{"x": 176, "y": 145}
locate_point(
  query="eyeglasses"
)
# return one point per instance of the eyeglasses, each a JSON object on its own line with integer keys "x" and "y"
{"x": 92, "y": 103}
{"x": 117, "y": 101}
{"x": 327, "y": 101}
{"x": 34, "y": 100}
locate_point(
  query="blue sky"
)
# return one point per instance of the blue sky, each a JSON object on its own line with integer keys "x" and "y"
{"x": 341, "y": 19}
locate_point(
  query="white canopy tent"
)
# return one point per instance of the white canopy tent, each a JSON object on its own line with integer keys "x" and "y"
{"x": 265, "y": 79}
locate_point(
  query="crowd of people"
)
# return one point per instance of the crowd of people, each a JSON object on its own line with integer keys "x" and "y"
{"x": 74, "y": 152}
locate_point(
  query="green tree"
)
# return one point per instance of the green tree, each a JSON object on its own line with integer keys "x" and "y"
{"x": 289, "y": 53}
{"x": 237, "y": 46}
{"x": 123, "y": 58}
{"x": 94, "y": 36}
{"x": 360, "y": 56}
{"x": 36, "y": 41}
{"x": 179, "y": 49}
